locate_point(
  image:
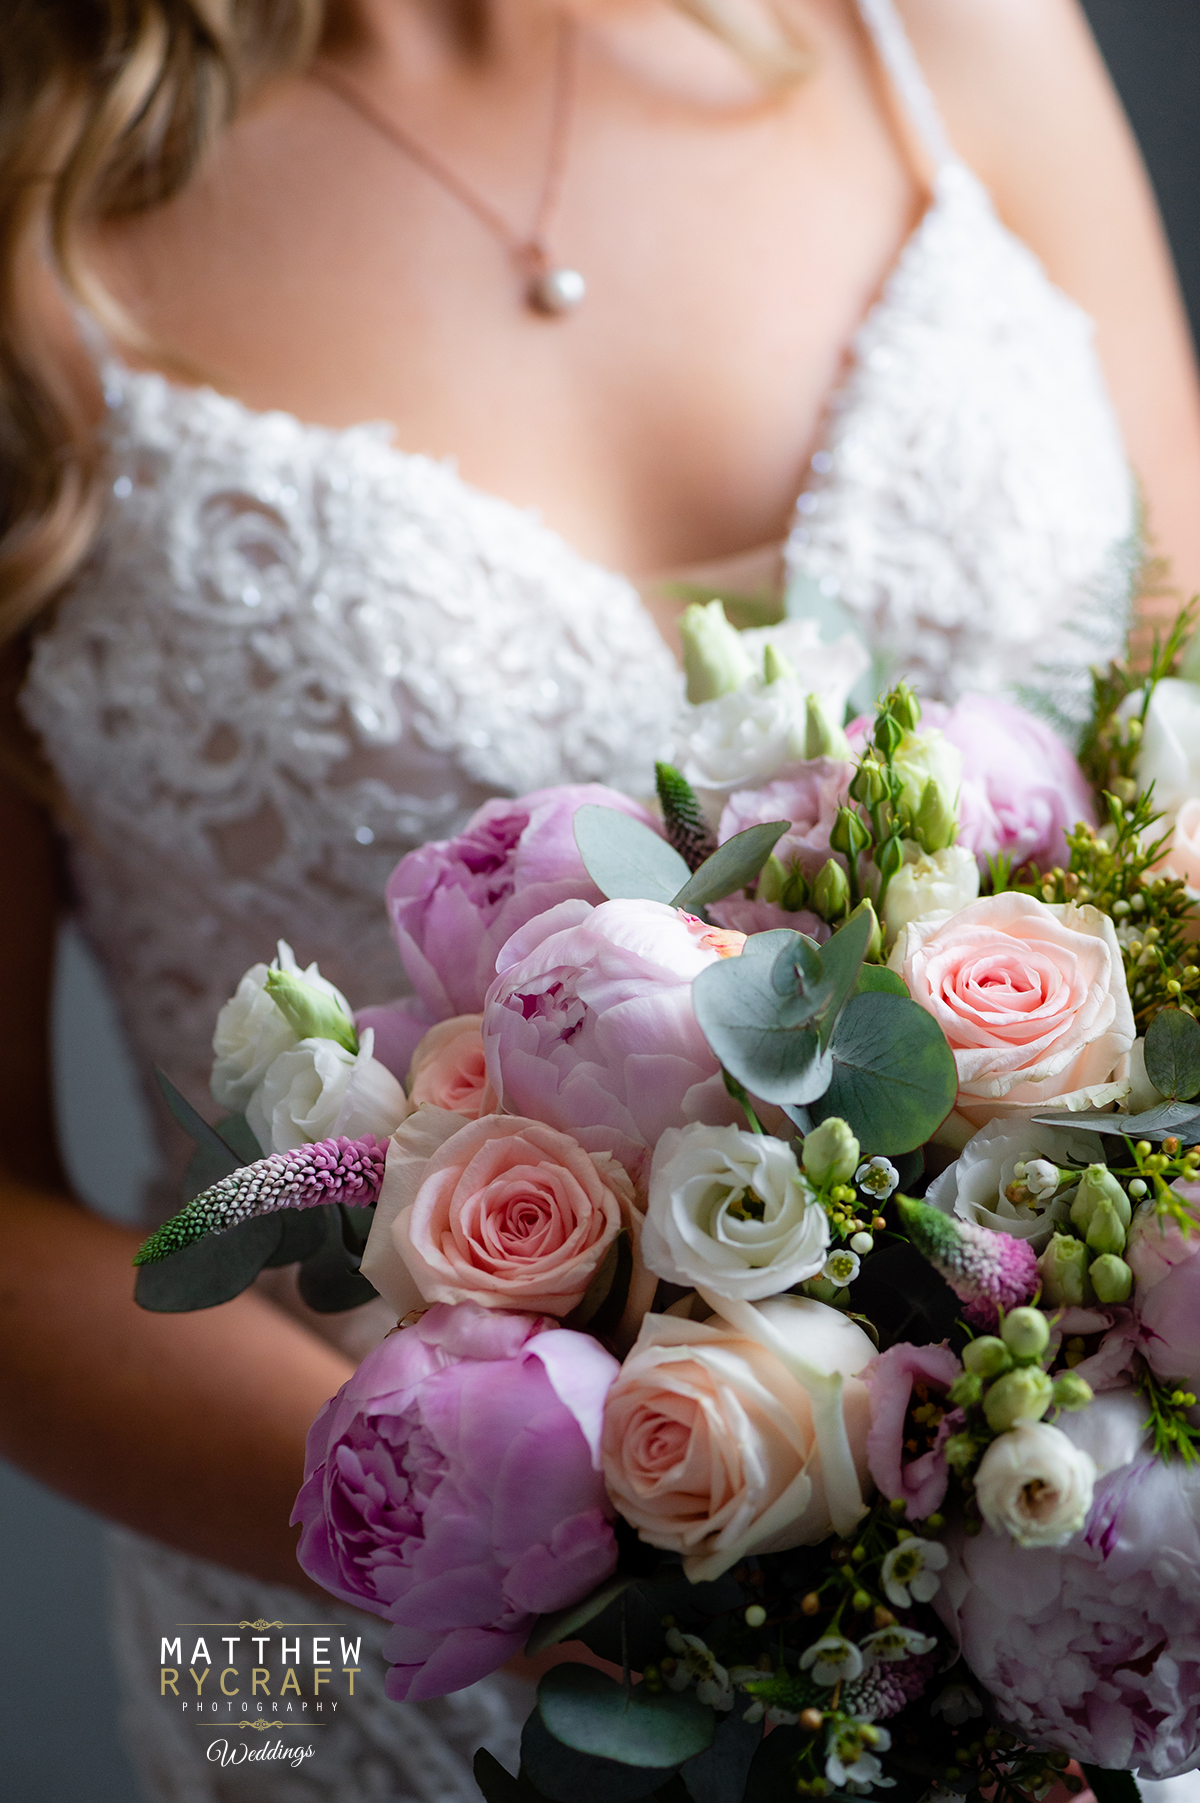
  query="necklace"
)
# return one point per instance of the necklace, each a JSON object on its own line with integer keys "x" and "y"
{"x": 551, "y": 289}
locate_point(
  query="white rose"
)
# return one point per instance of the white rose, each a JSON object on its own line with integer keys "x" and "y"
{"x": 1169, "y": 756}
{"x": 928, "y": 883}
{"x": 731, "y": 1210}
{"x": 1034, "y": 1485}
{"x": 925, "y": 754}
{"x": 974, "y": 1185}
{"x": 316, "y": 1090}
{"x": 251, "y": 1031}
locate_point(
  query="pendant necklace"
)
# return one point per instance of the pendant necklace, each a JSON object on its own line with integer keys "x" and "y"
{"x": 551, "y": 289}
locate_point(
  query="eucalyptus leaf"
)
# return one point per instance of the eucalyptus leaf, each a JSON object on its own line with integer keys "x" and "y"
{"x": 1111, "y": 1787}
{"x": 564, "y": 1775}
{"x": 498, "y": 1785}
{"x": 894, "y": 1078}
{"x": 877, "y": 978}
{"x": 209, "y": 1271}
{"x": 330, "y": 1280}
{"x": 766, "y": 1039}
{"x": 719, "y": 1774}
{"x": 565, "y": 1624}
{"x": 302, "y": 1233}
{"x": 1173, "y": 1054}
{"x": 197, "y": 1128}
{"x": 626, "y": 859}
{"x": 238, "y": 1135}
{"x": 1168, "y": 1120}
{"x": 585, "y": 1709}
{"x": 841, "y": 961}
{"x": 733, "y": 865}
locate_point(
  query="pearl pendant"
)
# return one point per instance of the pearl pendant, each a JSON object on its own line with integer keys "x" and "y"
{"x": 556, "y": 291}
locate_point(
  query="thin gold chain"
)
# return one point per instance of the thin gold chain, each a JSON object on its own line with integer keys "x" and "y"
{"x": 530, "y": 248}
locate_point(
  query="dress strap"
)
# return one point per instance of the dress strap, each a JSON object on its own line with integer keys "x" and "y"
{"x": 887, "y": 32}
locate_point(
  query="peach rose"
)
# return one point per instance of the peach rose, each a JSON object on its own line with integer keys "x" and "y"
{"x": 502, "y": 1212}
{"x": 724, "y": 1440}
{"x": 1031, "y": 997}
{"x": 447, "y": 1069}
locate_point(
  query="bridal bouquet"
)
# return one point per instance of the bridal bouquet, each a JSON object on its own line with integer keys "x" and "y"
{"x": 786, "y": 1200}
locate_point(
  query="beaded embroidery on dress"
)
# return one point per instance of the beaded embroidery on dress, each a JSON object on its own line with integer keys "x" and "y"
{"x": 298, "y": 653}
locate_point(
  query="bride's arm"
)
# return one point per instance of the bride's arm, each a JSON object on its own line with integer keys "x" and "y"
{"x": 1029, "y": 104}
{"x": 188, "y": 1427}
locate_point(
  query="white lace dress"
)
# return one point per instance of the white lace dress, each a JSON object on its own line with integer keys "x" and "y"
{"x": 298, "y": 653}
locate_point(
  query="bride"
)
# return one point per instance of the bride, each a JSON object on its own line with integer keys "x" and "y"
{"x": 749, "y": 296}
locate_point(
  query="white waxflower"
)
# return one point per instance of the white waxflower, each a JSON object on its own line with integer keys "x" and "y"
{"x": 695, "y": 1664}
{"x": 833, "y": 1659}
{"x": 842, "y": 1267}
{"x": 1035, "y": 1485}
{"x": 929, "y": 883}
{"x": 909, "y": 1572}
{"x": 1040, "y": 1177}
{"x": 251, "y": 1031}
{"x": 982, "y": 1184}
{"x": 733, "y": 1212}
{"x": 879, "y": 1177}
{"x": 897, "y": 1642}
{"x": 850, "y": 1755}
{"x": 317, "y": 1089}
{"x": 956, "y": 1704}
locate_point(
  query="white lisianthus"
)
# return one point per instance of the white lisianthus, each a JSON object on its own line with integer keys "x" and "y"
{"x": 982, "y": 1184}
{"x": 926, "y": 756}
{"x": 732, "y": 1211}
{"x": 1034, "y": 1485}
{"x": 929, "y": 883}
{"x": 251, "y": 1031}
{"x": 1169, "y": 755}
{"x": 316, "y": 1089}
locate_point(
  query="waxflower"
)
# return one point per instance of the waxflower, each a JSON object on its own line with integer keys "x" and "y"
{"x": 879, "y": 1177}
{"x": 695, "y": 1664}
{"x": 832, "y": 1660}
{"x": 848, "y": 1760}
{"x": 897, "y": 1642}
{"x": 909, "y": 1572}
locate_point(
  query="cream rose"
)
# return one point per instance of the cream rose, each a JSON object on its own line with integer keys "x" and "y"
{"x": 716, "y": 1446}
{"x": 317, "y": 1090}
{"x": 1035, "y": 1485}
{"x": 1031, "y": 997}
{"x": 448, "y": 1069}
{"x": 928, "y": 883}
{"x": 502, "y": 1212}
{"x": 731, "y": 1210}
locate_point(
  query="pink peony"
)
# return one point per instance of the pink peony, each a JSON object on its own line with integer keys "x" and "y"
{"x": 1094, "y": 1647}
{"x": 1021, "y": 788}
{"x": 919, "y": 1478}
{"x": 1166, "y": 1297}
{"x": 589, "y": 1026}
{"x": 454, "y": 902}
{"x": 448, "y": 1068}
{"x": 452, "y": 1486}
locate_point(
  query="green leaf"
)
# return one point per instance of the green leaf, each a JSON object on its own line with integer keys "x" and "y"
{"x": 841, "y": 960}
{"x": 625, "y": 859}
{"x": 197, "y": 1128}
{"x": 1111, "y": 1787}
{"x": 302, "y": 1233}
{"x": 564, "y": 1624}
{"x": 1166, "y": 1121}
{"x": 1173, "y": 1054}
{"x": 758, "y": 1015}
{"x": 878, "y": 979}
{"x": 719, "y": 1775}
{"x": 564, "y": 1775}
{"x": 585, "y": 1709}
{"x": 209, "y": 1271}
{"x": 236, "y": 1132}
{"x": 330, "y": 1280}
{"x": 732, "y": 866}
{"x": 498, "y": 1785}
{"x": 894, "y": 1079}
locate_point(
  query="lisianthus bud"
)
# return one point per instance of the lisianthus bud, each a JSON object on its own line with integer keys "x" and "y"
{"x": 1095, "y": 1186}
{"x": 875, "y": 942}
{"x": 831, "y": 891}
{"x": 987, "y": 1356}
{"x": 1022, "y": 1395}
{"x": 888, "y": 735}
{"x": 925, "y": 756}
{"x": 776, "y": 667}
{"x": 714, "y": 657}
{"x": 772, "y": 881}
{"x": 868, "y": 784}
{"x": 903, "y": 706}
{"x": 795, "y": 894}
{"x": 848, "y": 834}
{"x": 1063, "y": 1271}
{"x": 830, "y": 1153}
{"x": 311, "y": 1013}
{"x": 1105, "y": 1232}
{"x": 1111, "y": 1278}
{"x": 935, "y": 824}
{"x": 823, "y": 738}
{"x": 1026, "y": 1333}
{"x": 1071, "y": 1392}
{"x": 889, "y": 857}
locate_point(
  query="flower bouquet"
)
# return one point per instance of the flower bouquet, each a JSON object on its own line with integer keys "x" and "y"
{"x": 785, "y": 1199}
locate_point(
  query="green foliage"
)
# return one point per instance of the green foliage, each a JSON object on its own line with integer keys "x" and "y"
{"x": 1169, "y": 1406}
{"x": 894, "y": 1078}
{"x": 635, "y": 1725}
{"x": 625, "y": 859}
{"x": 564, "y": 1624}
{"x": 1173, "y": 1054}
{"x": 1111, "y": 1787}
{"x": 1110, "y": 745}
{"x": 732, "y": 866}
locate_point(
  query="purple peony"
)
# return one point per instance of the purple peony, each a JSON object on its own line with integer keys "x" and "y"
{"x": 454, "y": 902}
{"x": 1021, "y": 788}
{"x": 1166, "y": 1297}
{"x": 589, "y": 1026}
{"x": 1094, "y": 1647}
{"x": 452, "y": 1486}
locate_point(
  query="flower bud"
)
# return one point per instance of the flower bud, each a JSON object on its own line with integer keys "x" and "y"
{"x": 830, "y": 1152}
{"x": 823, "y": 738}
{"x": 831, "y": 891}
{"x": 714, "y": 657}
{"x": 1111, "y": 1278}
{"x": 903, "y": 706}
{"x": 935, "y": 824}
{"x": 1105, "y": 1232}
{"x": 772, "y": 881}
{"x": 795, "y": 894}
{"x": 1026, "y": 1333}
{"x": 987, "y": 1356}
{"x": 776, "y": 667}
{"x": 875, "y": 942}
{"x": 959, "y": 1452}
{"x": 849, "y": 835}
{"x": 1063, "y": 1271}
{"x": 889, "y": 857}
{"x": 888, "y": 734}
{"x": 868, "y": 784}
{"x": 1022, "y": 1395}
{"x": 311, "y": 1013}
{"x": 1095, "y": 1186}
{"x": 1071, "y": 1392}
{"x": 966, "y": 1390}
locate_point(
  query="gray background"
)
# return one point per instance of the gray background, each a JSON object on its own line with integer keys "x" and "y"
{"x": 58, "y": 1720}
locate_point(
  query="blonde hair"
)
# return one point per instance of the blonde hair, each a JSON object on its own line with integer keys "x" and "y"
{"x": 106, "y": 108}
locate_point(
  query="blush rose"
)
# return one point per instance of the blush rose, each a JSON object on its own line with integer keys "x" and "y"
{"x": 448, "y": 1069}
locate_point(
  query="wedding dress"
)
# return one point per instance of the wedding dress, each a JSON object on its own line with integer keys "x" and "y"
{"x": 298, "y": 653}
